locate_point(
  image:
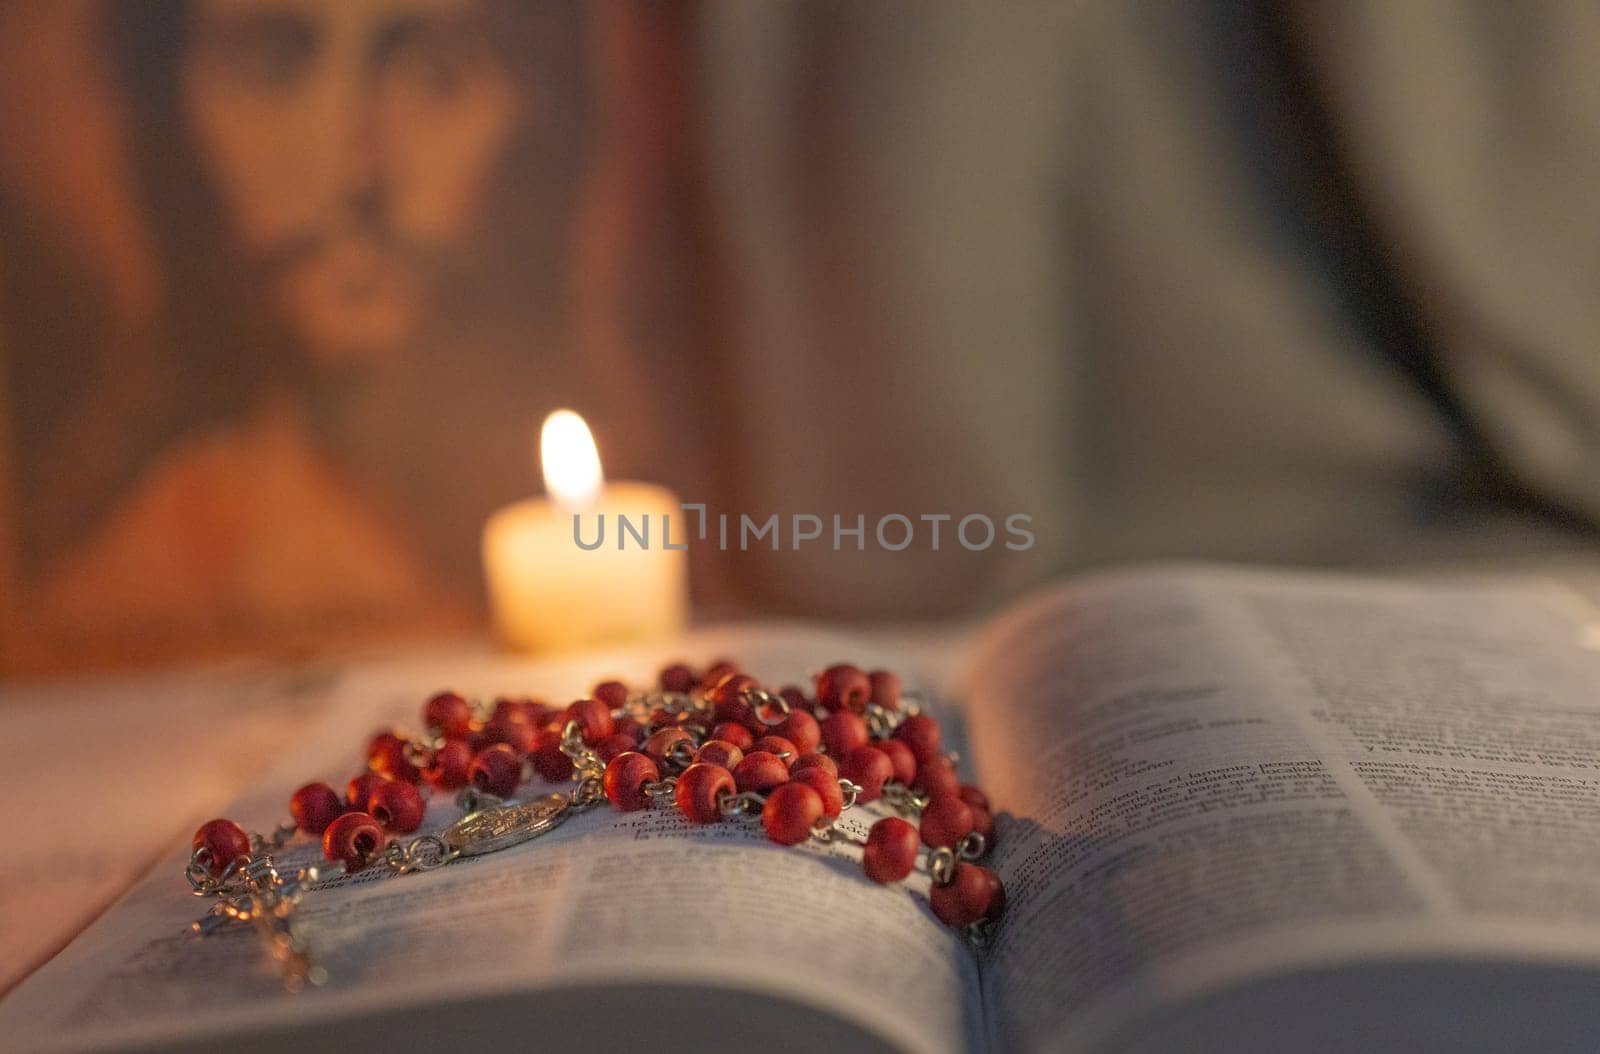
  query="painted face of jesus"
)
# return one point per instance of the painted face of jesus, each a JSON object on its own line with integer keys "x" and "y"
{"x": 351, "y": 144}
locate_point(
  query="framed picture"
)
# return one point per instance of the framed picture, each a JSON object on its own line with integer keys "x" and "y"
{"x": 284, "y": 289}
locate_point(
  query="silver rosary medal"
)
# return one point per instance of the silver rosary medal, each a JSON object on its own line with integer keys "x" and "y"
{"x": 493, "y": 829}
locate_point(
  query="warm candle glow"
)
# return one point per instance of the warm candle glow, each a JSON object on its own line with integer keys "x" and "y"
{"x": 572, "y": 475}
{"x": 548, "y": 590}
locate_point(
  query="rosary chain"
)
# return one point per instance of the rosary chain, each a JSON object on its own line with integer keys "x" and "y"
{"x": 759, "y": 700}
{"x": 420, "y": 854}
{"x": 662, "y": 791}
{"x": 251, "y": 889}
{"x": 589, "y": 793}
{"x": 584, "y": 760}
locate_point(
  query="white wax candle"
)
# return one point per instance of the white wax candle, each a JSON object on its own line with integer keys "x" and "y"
{"x": 548, "y": 593}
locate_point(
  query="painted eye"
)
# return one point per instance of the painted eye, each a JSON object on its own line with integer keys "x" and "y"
{"x": 268, "y": 52}
{"x": 435, "y": 57}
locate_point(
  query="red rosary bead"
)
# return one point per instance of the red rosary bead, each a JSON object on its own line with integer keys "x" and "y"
{"x": 625, "y": 779}
{"x": 843, "y": 732}
{"x": 359, "y": 789}
{"x": 715, "y": 682}
{"x": 719, "y": 752}
{"x": 779, "y": 748}
{"x": 946, "y": 821}
{"x": 716, "y": 673}
{"x": 843, "y": 687}
{"x": 868, "y": 768}
{"x": 397, "y": 806}
{"x": 380, "y": 746}
{"x": 760, "y": 771}
{"x": 983, "y": 823}
{"x": 514, "y": 732}
{"x": 613, "y": 694}
{"x": 529, "y": 711}
{"x": 798, "y": 700}
{"x": 921, "y": 733}
{"x": 789, "y": 813}
{"x": 314, "y": 807}
{"x": 997, "y": 892}
{"x": 973, "y": 796}
{"x": 549, "y": 760}
{"x": 613, "y": 745}
{"x": 967, "y": 897}
{"x": 735, "y": 733}
{"x": 937, "y": 776}
{"x": 891, "y": 851}
{"x": 660, "y": 744}
{"x": 594, "y": 719}
{"x": 225, "y": 842}
{"x": 664, "y": 719}
{"x": 449, "y": 766}
{"x": 677, "y": 678}
{"x": 628, "y": 726}
{"x": 900, "y": 756}
{"x": 447, "y": 714}
{"x": 728, "y": 701}
{"x": 496, "y": 770}
{"x": 801, "y": 729}
{"x": 825, "y": 784}
{"x": 885, "y": 689}
{"x": 817, "y": 761}
{"x": 387, "y": 754}
{"x": 699, "y": 791}
{"x": 354, "y": 838}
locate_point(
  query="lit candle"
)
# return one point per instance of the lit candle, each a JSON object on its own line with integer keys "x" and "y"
{"x": 547, "y": 591}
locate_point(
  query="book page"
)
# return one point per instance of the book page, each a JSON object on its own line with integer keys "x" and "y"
{"x": 1215, "y": 775}
{"x": 611, "y": 908}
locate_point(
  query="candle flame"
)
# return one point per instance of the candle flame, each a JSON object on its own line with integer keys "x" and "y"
{"x": 572, "y": 475}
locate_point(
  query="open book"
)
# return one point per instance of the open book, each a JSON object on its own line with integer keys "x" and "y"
{"x": 1239, "y": 811}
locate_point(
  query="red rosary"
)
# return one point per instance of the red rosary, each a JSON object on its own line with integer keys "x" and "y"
{"x": 715, "y": 746}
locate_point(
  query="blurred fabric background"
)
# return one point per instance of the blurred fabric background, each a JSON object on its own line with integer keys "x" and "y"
{"x": 286, "y": 287}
